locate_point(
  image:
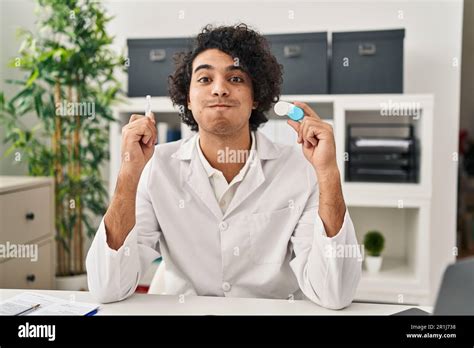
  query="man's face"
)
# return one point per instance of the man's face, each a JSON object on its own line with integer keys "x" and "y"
{"x": 220, "y": 94}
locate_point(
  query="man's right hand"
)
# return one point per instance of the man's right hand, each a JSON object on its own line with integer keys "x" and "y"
{"x": 138, "y": 143}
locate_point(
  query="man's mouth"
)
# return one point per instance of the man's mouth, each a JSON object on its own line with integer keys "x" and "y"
{"x": 220, "y": 106}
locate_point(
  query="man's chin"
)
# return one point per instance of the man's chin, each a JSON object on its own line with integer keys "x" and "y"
{"x": 221, "y": 123}
{"x": 223, "y": 128}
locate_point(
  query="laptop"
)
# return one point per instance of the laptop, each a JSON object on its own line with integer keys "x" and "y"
{"x": 456, "y": 294}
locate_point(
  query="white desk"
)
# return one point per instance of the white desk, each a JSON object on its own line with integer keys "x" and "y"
{"x": 142, "y": 304}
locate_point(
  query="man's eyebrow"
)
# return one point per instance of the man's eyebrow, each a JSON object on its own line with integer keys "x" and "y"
{"x": 208, "y": 66}
{"x": 203, "y": 66}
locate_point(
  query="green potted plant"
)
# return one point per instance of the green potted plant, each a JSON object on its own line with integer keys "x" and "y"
{"x": 374, "y": 243}
{"x": 70, "y": 86}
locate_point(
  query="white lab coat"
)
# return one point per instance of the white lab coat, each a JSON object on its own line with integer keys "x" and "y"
{"x": 269, "y": 243}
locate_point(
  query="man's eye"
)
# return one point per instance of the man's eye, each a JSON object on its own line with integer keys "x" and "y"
{"x": 203, "y": 79}
{"x": 236, "y": 79}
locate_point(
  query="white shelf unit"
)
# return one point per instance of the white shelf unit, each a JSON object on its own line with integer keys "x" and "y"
{"x": 401, "y": 211}
{"x": 404, "y": 277}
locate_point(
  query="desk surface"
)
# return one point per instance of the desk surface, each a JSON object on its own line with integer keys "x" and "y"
{"x": 143, "y": 304}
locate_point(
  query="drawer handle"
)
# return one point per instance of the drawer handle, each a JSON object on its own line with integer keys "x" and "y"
{"x": 157, "y": 55}
{"x": 30, "y": 216}
{"x": 292, "y": 51}
{"x": 30, "y": 278}
{"x": 367, "y": 49}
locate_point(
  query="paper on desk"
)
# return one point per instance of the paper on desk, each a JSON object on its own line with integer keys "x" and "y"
{"x": 22, "y": 302}
{"x": 49, "y": 305}
{"x": 8, "y": 308}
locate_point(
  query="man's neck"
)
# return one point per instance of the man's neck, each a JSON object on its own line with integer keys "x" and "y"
{"x": 218, "y": 151}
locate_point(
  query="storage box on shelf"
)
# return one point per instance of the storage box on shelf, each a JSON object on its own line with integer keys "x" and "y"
{"x": 367, "y": 61}
{"x": 304, "y": 57}
{"x": 401, "y": 211}
{"x": 152, "y": 57}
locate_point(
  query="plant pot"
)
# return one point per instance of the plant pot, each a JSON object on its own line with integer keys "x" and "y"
{"x": 373, "y": 263}
{"x": 72, "y": 283}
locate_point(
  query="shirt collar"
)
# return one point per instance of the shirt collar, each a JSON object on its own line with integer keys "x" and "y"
{"x": 265, "y": 148}
{"x": 211, "y": 170}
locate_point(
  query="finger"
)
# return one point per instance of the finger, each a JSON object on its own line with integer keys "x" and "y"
{"x": 150, "y": 121}
{"x": 139, "y": 122}
{"x": 300, "y": 132}
{"x": 154, "y": 135}
{"x": 321, "y": 130}
{"x": 311, "y": 134}
{"x": 145, "y": 130}
{"x": 295, "y": 125}
{"x": 134, "y": 117}
{"x": 151, "y": 115}
{"x": 307, "y": 110}
{"x": 312, "y": 129}
{"x": 311, "y": 138}
{"x": 305, "y": 123}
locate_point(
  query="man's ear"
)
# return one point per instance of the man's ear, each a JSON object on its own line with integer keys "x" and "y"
{"x": 255, "y": 105}
{"x": 189, "y": 104}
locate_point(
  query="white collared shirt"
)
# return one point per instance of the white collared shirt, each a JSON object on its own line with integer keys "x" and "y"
{"x": 270, "y": 242}
{"x": 223, "y": 190}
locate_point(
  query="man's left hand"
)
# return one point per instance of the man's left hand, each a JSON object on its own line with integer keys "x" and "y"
{"x": 317, "y": 140}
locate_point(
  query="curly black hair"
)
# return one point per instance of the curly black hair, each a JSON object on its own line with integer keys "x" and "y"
{"x": 255, "y": 58}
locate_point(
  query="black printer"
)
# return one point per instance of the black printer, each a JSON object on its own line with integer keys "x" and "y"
{"x": 381, "y": 158}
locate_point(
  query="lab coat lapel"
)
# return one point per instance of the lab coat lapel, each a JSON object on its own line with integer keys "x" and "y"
{"x": 194, "y": 175}
{"x": 252, "y": 180}
{"x": 255, "y": 176}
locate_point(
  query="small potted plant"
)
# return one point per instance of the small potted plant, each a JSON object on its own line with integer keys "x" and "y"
{"x": 373, "y": 243}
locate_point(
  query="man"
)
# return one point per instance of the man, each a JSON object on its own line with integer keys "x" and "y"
{"x": 266, "y": 226}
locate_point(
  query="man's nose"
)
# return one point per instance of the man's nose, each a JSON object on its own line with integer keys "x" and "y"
{"x": 219, "y": 88}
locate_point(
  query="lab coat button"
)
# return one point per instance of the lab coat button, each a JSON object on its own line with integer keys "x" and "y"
{"x": 223, "y": 226}
{"x": 226, "y": 286}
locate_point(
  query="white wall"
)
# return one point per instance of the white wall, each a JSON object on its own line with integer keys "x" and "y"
{"x": 432, "y": 44}
{"x": 13, "y": 15}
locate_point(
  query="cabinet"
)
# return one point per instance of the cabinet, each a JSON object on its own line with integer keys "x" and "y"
{"x": 27, "y": 247}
